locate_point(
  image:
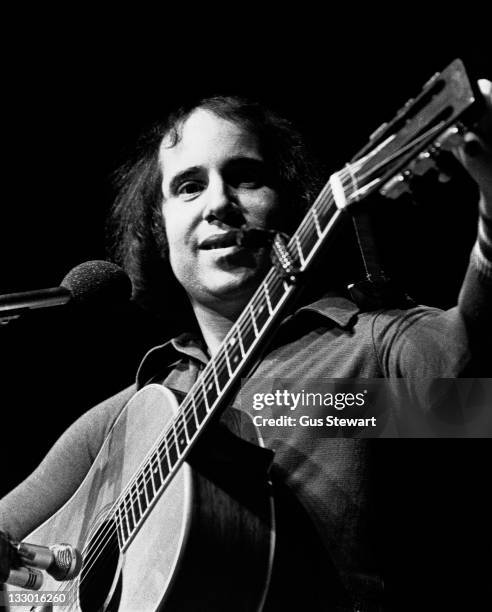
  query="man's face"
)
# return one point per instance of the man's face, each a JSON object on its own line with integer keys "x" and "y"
{"x": 215, "y": 180}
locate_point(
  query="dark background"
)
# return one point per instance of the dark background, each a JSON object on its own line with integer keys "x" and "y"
{"x": 77, "y": 93}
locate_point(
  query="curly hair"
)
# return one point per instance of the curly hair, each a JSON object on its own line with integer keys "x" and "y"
{"x": 136, "y": 233}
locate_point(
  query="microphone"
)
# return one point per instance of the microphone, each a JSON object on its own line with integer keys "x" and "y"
{"x": 255, "y": 237}
{"x": 25, "y": 578}
{"x": 89, "y": 283}
{"x": 61, "y": 561}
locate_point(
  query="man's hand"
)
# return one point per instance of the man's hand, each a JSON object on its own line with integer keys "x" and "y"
{"x": 476, "y": 152}
{"x": 6, "y": 556}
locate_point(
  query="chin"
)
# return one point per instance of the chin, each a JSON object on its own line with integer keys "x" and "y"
{"x": 237, "y": 285}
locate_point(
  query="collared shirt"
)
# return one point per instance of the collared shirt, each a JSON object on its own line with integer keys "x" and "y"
{"x": 330, "y": 339}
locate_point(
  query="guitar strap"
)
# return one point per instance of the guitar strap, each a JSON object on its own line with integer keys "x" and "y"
{"x": 377, "y": 290}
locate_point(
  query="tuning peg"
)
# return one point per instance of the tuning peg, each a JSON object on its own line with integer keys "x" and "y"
{"x": 443, "y": 177}
{"x": 453, "y": 137}
{"x": 397, "y": 185}
{"x": 424, "y": 162}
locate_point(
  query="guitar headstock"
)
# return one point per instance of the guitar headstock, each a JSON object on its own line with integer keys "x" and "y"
{"x": 426, "y": 125}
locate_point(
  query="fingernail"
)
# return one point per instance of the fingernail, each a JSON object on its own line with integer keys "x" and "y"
{"x": 473, "y": 148}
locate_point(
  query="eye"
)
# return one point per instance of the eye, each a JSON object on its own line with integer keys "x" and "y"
{"x": 248, "y": 178}
{"x": 189, "y": 188}
{"x": 249, "y": 175}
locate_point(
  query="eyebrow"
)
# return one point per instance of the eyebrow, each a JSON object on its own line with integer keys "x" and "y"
{"x": 192, "y": 171}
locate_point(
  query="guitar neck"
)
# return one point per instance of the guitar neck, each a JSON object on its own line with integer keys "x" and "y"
{"x": 207, "y": 398}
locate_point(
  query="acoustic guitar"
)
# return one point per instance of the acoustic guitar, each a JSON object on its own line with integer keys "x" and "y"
{"x": 155, "y": 533}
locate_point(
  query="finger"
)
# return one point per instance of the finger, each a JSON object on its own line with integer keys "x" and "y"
{"x": 485, "y": 87}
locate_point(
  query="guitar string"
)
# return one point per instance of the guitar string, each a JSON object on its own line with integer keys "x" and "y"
{"x": 189, "y": 411}
{"x": 404, "y": 149}
{"x": 136, "y": 494}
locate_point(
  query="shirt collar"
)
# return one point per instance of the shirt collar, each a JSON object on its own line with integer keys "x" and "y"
{"x": 335, "y": 307}
{"x": 167, "y": 354}
{"x": 338, "y": 309}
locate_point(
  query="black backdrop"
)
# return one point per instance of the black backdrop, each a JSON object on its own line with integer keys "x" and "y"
{"x": 75, "y": 99}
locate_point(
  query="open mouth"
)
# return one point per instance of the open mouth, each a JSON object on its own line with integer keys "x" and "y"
{"x": 220, "y": 241}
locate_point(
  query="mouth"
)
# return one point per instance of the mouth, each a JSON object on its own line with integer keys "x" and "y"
{"x": 220, "y": 241}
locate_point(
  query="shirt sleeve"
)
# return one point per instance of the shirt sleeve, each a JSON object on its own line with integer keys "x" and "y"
{"x": 475, "y": 299}
{"x": 62, "y": 470}
{"x": 424, "y": 344}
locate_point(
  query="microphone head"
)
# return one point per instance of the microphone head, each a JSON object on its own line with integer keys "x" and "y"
{"x": 98, "y": 282}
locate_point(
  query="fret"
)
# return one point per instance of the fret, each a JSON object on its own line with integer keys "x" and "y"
{"x": 124, "y": 524}
{"x": 137, "y": 497}
{"x": 125, "y": 521}
{"x": 324, "y": 210}
{"x": 227, "y": 360}
{"x": 253, "y": 318}
{"x": 142, "y": 492}
{"x": 194, "y": 410}
{"x": 119, "y": 528}
{"x": 299, "y": 250}
{"x": 204, "y": 393}
{"x": 149, "y": 484}
{"x": 248, "y": 334}
{"x": 309, "y": 237}
{"x": 180, "y": 438}
{"x": 214, "y": 372}
{"x": 200, "y": 407}
{"x": 277, "y": 290}
{"x": 261, "y": 315}
{"x": 235, "y": 355}
{"x": 164, "y": 463}
{"x": 240, "y": 338}
{"x": 314, "y": 213}
{"x": 191, "y": 424}
{"x": 164, "y": 451}
{"x": 267, "y": 295}
{"x": 172, "y": 450}
{"x": 128, "y": 517}
{"x": 155, "y": 466}
{"x": 134, "y": 501}
{"x": 208, "y": 388}
{"x": 221, "y": 370}
{"x": 184, "y": 440}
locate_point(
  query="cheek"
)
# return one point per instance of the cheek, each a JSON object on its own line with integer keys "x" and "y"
{"x": 171, "y": 224}
{"x": 268, "y": 209}
{"x": 177, "y": 227}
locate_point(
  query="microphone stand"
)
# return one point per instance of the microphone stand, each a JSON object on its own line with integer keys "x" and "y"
{"x": 14, "y": 305}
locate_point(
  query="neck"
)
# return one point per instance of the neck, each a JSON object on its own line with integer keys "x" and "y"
{"x": 214, "y": 323}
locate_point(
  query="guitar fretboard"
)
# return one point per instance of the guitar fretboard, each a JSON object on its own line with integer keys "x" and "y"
{"x": 222, "y": 372}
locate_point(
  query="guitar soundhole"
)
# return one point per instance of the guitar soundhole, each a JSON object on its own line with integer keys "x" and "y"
{"x": 100, "y": 578}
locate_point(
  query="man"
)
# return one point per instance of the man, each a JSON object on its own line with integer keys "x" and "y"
{"x": 212, "y": 169}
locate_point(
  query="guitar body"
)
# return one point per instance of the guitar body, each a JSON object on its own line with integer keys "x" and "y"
{"x": 200, "y": 548}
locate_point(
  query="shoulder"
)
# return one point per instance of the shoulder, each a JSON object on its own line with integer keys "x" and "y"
{"x": 425, "y": 321}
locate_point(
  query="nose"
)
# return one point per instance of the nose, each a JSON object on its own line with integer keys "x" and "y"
{"x": 220, "y": 201}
